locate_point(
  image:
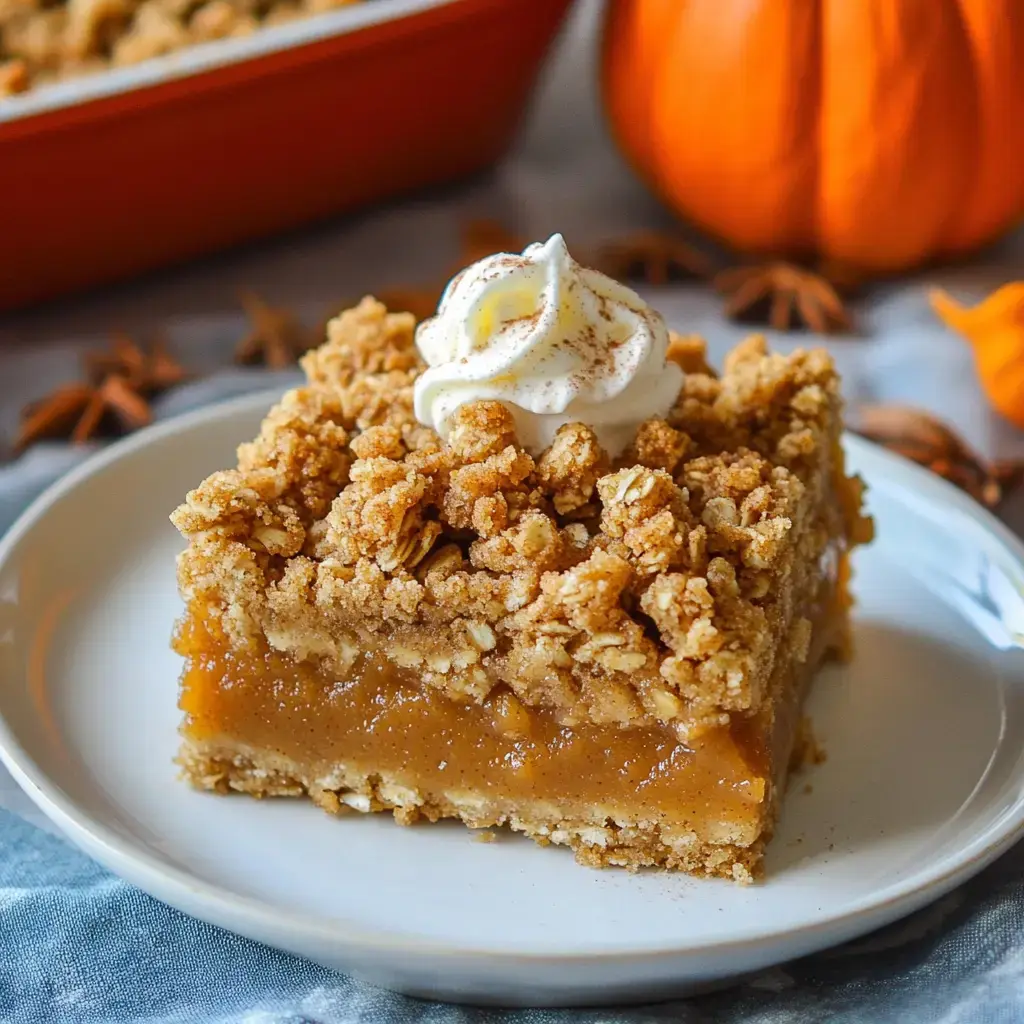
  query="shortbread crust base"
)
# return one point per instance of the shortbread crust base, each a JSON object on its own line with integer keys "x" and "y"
{"x": 596, "y": 836}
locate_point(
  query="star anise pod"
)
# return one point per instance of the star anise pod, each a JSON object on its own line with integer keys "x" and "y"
{"x": 113, "y": 399}
{"x": 81, "y": 411}
{"x": 148, "y": 371}
{"x": 923, "y": 438}
{"x": 781, "y": 295}
{"x": 652, "y": 257}
{"x": 276, "y": 337}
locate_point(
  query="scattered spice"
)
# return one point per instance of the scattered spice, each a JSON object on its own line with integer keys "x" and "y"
{"x": 149, "y": 371}
{"x": 652, "y": 257}
{"x": 113, "y": 399}
{"x": 276, "y": 337}
{"x": 81, "y": 411}
{"x": 782, "y": 295}
{"x": 923, "y": 438}
{"x": 995, "y": 330}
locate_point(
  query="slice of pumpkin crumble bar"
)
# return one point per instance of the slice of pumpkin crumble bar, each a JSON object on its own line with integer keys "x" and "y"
{"x": 532, "y": 563}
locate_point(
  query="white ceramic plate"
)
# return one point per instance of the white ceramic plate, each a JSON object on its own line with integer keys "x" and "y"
{"x": 922, "y": 787}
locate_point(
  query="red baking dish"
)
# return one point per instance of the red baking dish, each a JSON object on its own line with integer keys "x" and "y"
{"x": 132, "y": 169}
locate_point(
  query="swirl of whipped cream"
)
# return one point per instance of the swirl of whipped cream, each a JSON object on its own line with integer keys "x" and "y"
{"x": 555, "y": 342}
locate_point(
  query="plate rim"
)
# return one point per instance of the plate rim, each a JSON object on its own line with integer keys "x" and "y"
{"x": 131, "y": 860}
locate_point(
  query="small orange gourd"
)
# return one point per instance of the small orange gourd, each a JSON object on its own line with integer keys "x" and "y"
{"x": 878, "y": 134}
{"x": 995, "y": 330}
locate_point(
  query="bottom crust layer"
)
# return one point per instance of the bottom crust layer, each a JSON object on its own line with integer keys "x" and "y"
{"x": 597, "y": 838}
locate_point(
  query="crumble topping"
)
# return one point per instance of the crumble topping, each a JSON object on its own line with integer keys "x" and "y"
{"x": 570, "y": 469}
{"x": 654, "y": 586}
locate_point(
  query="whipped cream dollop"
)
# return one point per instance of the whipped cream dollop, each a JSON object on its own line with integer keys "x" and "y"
{"x": 555, "y": 342}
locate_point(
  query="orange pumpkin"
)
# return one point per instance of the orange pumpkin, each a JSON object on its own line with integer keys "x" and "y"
{"x": 880, "y": 134}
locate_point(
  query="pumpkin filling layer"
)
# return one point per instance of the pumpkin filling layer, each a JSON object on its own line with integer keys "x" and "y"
{"x": 383, "y": 720}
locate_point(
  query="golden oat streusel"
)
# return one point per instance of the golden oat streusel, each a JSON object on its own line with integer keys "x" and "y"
{"x": 676, "y": 591}
{"x": 644, "y": 591}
